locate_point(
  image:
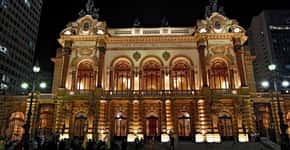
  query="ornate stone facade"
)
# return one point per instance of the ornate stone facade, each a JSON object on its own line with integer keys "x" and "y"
{"x": 194, "y": 81}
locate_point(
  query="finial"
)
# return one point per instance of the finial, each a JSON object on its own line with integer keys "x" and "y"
{"x": 213, "y": 7}
{"x": 136, "y": 22}
{"x": 164, "y": 22}
{"x": 90, "y": 10}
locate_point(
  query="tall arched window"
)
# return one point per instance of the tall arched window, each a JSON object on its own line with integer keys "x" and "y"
{"x": 151, "y": 76}
{"x": 181, "y": 77}
{"x": 86, "y": 76}
{"x": 219, "y": 76}
{"x": 45, "y": 123}
{"x": 15, "y": 130}
{"x": 122, "y": 76}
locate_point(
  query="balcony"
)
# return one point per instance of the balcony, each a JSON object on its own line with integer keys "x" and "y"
{"x": 153, "y": 93}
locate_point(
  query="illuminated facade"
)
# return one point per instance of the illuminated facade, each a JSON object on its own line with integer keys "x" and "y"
{"x": 194, "y": 81}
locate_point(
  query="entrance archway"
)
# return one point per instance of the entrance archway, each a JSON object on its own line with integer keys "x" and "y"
{"x": 120, "y": 125}
{"x": 288, "y": 122}
{"x": 225, "y": 125}
{"x": 152, "y": 124}
{"x": 80, "y": 125}
{"x": 184, "y": 127}
{"x": 15, "y": 130}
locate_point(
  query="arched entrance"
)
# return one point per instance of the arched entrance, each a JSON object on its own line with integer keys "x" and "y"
{"x": 120, "y": 124}
{"x": 184, "y": 125}
{"x": 80, "y": 125}
{"x": 152, "y": 125}
{"x": 46, "y": 119}
{"x": 264, "y": 120}
{"x": 15, "y": 130}
{"x": 225, "y": 125}
{"x": 288, "y": 122}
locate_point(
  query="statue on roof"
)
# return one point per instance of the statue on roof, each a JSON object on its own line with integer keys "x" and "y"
{"x": 136, "y": 22}
{"x": 90, "y": 10}
{"x": 213, "y": 7}
{"x": 164, "y": 22}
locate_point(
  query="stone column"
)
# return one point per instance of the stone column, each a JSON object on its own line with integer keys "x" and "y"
{"x": 66, "y": 56}
{"x": 201, "y": 45}
{"x": 239, "y": 57}
{"x": 74, "y": 78}
{"x": 102, "y": 51}
{"x": 163, "y": 117}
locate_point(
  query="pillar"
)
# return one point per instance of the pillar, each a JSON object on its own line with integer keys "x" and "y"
{"x": 102, "y": 51}
{"x": 239, "y": 56}
{"x": 66, "y": 55}
{"x": 201, "y": 45}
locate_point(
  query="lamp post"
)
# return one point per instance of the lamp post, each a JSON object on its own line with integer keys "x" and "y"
{"x": 283, "y": 136}
{"x": 26, "y": 126}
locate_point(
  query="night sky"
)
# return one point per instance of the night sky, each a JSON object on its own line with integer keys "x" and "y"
{"x": 121, "y": 13}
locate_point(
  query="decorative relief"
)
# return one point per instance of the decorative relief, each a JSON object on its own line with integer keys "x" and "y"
{"x": 136, "y": 56}
{"x": 166, "y": 55}
{"x": 86, "y": 52}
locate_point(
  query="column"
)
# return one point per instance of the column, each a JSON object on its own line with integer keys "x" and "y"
{"x": 201, "y": 45}
{"x": 74, "y": 83}
{"x": 163, "y": 117}
{"x": 102, "y": 51}
{"x": 168, "y": 113}
{"x": 66, "y": 52}
{"x": 239, "y": 56}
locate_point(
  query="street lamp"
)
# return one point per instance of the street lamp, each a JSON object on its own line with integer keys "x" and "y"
{"x": 25, "y": 86}
{"x": 284, "y": 138}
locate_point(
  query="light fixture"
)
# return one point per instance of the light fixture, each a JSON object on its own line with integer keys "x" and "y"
{"x": 285, "y": 83}
{"x": 236, "y": 30}
{"x": 43, "y": 85}
{"x": 24, "y": 85}
{"x": 67, "y": 32}
{"x": 36, "y": 68}
{"x": 272, "y": 67}
{"x": 265, "y": 84}
{"x": 100, "y": 31}
{"x": 202, "y": 30}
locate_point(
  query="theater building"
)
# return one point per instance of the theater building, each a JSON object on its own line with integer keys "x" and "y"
{"x": 194, "y": 81}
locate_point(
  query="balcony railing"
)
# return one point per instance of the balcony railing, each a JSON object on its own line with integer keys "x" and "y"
{"x": 155, "y": 93}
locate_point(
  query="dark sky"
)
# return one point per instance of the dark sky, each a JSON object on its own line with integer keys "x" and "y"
{"x": 121, "y": 13}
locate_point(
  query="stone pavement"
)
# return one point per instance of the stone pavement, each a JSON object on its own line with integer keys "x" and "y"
{"x": 194, "y": 146}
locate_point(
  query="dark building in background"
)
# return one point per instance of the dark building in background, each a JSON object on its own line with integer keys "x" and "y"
{"x": 19, "y": 22}
{"x": 269, "y": 41}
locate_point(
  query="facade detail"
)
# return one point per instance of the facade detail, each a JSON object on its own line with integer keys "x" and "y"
{"x": 193, "y": 81}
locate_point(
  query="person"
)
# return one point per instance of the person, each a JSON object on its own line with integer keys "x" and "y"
{"x": 171, "y": 138}
{"x": 136, "y": 142}
{"x": 124, "y": 144}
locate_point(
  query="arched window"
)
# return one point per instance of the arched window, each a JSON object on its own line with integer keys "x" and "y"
{"x": 80, "y": 125}
{"x": 15, "y": 130}
{"x": 120, "y": 124}
{"x": 122, "y": 76}
{"x": 151, "y": 76}
{"x": 86, "y": 76}
{"x": 181, "y": 77}
{"x": 184, "y": 127}
{"x": 45, "y": 123}
{"x": 218, "y": 75}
